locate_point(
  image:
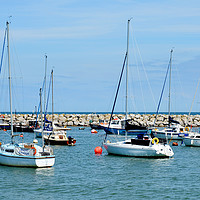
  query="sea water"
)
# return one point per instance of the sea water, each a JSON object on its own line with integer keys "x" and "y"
{"x": 80, "y": 174}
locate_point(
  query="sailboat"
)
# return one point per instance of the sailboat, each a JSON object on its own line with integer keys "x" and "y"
{"x": 23, "y": 154}
{"x": 57, "y": 137}
{"x": 124, "y": 126}
{"x": 142, "y": 145}
{"x": 48, "y": 125}
{"x": 194, "y": 138}
{"x": 174, "y": 131}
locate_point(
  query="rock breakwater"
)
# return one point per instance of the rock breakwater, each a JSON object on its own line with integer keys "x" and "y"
{"x": 86, "y": 119}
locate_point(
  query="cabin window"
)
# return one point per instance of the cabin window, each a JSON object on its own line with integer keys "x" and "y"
{"x": 115, "y": 122}
{"x": 9, "y": 150}
{"x": 169, "y": 131}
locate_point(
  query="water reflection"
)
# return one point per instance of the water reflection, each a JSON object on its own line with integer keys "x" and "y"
{"x": 45, "y": 171}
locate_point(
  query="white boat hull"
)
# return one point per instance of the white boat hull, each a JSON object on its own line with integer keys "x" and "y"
{"x": 169, "y": 136}
{"x": 22, "y": 161}
{"x": 120, "y": 148}
{"x": 21, "y": 156}
{"x": 195, "y": 142}
{"x": 38, "y": 132}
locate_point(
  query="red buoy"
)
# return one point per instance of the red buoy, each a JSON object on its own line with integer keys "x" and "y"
{"x": 98, "y": 150}
{"x": 93, "y": 131}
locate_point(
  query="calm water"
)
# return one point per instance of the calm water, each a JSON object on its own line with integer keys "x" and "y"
{"x": 80, "y": 174}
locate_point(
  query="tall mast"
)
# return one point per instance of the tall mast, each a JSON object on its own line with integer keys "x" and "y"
{"x": 52, "y": 96}
{"x": 127, "y": 51}
{"x": 41, "y": 118}
{"x": 170, "y": 72}
{"x": 9, "y": 78}
{"x": 45, "y": 83}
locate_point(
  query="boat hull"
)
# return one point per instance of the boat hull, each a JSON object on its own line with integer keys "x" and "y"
{"x": 195, "y": 142}
{"x": 38, "y": 132}
{"x": 117, "y": 131}
{"x": 58, "y": 142}
{"x": 169, "y": 136}
{"x": 2, "y": 126}
{"x": 26, "y": 161}
{"x": 23, "y": 129}
{"x": 154, "y": 151}
{"x": 96, "y": 126}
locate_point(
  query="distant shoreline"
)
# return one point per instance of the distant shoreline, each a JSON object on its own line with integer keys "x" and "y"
{"x": 140, "y": 113}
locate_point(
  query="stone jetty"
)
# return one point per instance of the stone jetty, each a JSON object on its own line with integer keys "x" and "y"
{"x": 85, "y": 119}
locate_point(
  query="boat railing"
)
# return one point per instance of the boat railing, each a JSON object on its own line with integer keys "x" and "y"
{"x": 24, "y": 151}
{"x": 48, "y": 149}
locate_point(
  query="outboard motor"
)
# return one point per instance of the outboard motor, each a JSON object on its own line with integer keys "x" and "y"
{"x": 70, "y": 139}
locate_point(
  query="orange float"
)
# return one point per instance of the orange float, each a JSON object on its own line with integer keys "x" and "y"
{"x": 98, "y": 150}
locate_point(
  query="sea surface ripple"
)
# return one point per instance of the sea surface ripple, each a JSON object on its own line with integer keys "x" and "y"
{"x": 80, "y": 174}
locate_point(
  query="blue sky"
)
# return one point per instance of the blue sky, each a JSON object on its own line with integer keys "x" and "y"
{"x": 85, "y": 42}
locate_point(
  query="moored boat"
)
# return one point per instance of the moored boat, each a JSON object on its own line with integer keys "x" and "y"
{"x": 59, "y": 138}
{"x": 173, "y": 132}
{"x": 144, "y": 145}
{"x": 124, "y": 126}
{"x": 139, "y": 147}
{"x": 26, "y": 155}
{"x": 23, "y": 154}
{"x": 192, "y": 140}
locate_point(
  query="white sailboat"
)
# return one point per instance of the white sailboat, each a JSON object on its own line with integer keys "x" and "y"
{"x": 142, "y": 146}
{"x": 174, "y": 131}
{"x": 194, "y": 138}
{"x": 23, "y": 154}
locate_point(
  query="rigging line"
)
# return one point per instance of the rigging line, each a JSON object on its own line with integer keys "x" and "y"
{"x": 138, "y": 71}
{"x": 117, "y": 92}
{"x": 194, "y": 96}
{"x": 145, "y": 71}
{"x": 48, "y": 95}
{"x": 3, "y": 86}
{"x": 39, "y": 104}
{"x": 162, "y": 93}
{"x": 4, "y": 41}
{"x": 14, "y": 50}
{"x": 179, "y": 80}
{"x": 21, "y": 74}
{"x": 140, "y": 83}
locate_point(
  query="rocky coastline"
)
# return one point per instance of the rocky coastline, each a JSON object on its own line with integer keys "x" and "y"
{"x": 86, "y": 119}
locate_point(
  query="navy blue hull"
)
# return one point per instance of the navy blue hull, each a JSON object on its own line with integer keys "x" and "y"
{"x": 123, "y": 131}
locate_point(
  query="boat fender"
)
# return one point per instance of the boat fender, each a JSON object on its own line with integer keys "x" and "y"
{"x": 34, "y": 150}
{"x": 61, "y": 137}
{"x": 175, "y": 144}
{"x": 155, "y": 140}
{"x": 187, "y": 129}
